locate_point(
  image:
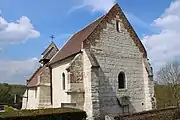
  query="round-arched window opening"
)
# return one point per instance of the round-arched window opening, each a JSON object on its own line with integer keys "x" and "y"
{"x": 63, "y": 81}
{"x": 121, "y": 80}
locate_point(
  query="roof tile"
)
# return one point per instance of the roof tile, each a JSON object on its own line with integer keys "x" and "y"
{"x": 73, "y": 46}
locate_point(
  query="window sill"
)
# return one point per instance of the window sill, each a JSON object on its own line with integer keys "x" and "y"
{"x": 122, "y": 90}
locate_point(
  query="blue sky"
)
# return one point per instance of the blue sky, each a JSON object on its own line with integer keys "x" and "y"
{"x": 62, "y": 19}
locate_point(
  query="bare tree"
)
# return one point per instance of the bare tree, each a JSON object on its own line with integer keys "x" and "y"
{"x": 169, "y": 75}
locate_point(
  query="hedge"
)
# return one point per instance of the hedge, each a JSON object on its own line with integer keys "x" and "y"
{"x": 172, "y": 113}
{"x": 44, "y": 114}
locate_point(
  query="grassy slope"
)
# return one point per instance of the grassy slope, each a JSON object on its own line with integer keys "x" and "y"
{"x": 164, "y": 96}
{"x": 7, "y": 93}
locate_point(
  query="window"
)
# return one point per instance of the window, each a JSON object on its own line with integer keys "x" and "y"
{"x": 118, "y": 26}
{"x": 36, "y": 93}
{"x": 121, "y": 80}
{"x": 63, "y": 81}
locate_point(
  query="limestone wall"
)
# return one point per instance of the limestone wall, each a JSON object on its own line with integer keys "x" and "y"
{"x": 148, "y": 88}
{"x": 44, "y": 89}
{"x": 115, "y": 52}
{"x": 78, "y": 99}
{"x": 44, "y": 97}
{"x": 45, "y": 77}
{"x": 24, "y": 100}
{"x": 76, "y": 90}
{"x": 87, "y": 85}
{"x": 59, "y": 95}
{"x": 76, "y": 69}
{"x": 32, "y": 102}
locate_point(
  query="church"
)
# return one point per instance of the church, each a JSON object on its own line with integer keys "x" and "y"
{"x": 103, "y": 69}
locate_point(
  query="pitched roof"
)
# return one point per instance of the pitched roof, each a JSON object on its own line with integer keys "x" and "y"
{"x": 52, "y": 44}
{"x": 73, "y": 46}
{"x": 33, "y": 81}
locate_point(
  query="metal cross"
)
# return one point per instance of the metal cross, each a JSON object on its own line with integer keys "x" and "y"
{"x": 52, "y": 37}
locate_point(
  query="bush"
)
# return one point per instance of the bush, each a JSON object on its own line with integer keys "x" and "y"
{"x": 44, "y": 114}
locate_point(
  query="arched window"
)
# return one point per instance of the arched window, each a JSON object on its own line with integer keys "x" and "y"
{"x": 121, "y": 80}
{"x": 63, "y": 81}
{"x": 118, "y": 25}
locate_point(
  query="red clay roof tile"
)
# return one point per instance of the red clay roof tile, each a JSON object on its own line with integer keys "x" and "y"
{"x": 33, "y": 81}
{"x": 73, "y": 45}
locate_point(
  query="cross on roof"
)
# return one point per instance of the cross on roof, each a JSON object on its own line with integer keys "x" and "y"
{"x": 52, "y": 37}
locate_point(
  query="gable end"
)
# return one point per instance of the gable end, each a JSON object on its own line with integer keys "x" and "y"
{"x": 115, "y": 10}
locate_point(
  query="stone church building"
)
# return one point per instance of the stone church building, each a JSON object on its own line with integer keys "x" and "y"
{"x": 38, "y": 88}
{"x": 102, "y": 69}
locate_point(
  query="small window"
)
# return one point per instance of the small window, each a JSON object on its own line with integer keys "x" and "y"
{"x": 63, "y": 81}
{"x": 118, "y": 26}
{"x": 121, "y": 80}
{"x": 36, "y": 93}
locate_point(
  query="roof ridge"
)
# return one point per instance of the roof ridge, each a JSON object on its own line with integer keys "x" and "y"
{"x": 36, "y": 71}
{"x": 52, "y": 43}
{"x": 34, "y": 74}
{"x": 75, "y": 42}
{"x": 103, "y": 16}
{"x": 61, "y": 47}
{"x": 77, "y": 33}
{"x": 91, "y": 23}
{"x": 81, "y": 30}
{"x": 100, "y": 20}
{"x": 30, "y": 78}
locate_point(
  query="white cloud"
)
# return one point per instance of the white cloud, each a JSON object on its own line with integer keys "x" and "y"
{"x": 95, "y": 5}
{"x": 164, "y": 46}
{"x": 17, "y": 32}
{"x": 17, "y": 71}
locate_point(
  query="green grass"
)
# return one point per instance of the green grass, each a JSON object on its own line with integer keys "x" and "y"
{"x": 164, "y": 96}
